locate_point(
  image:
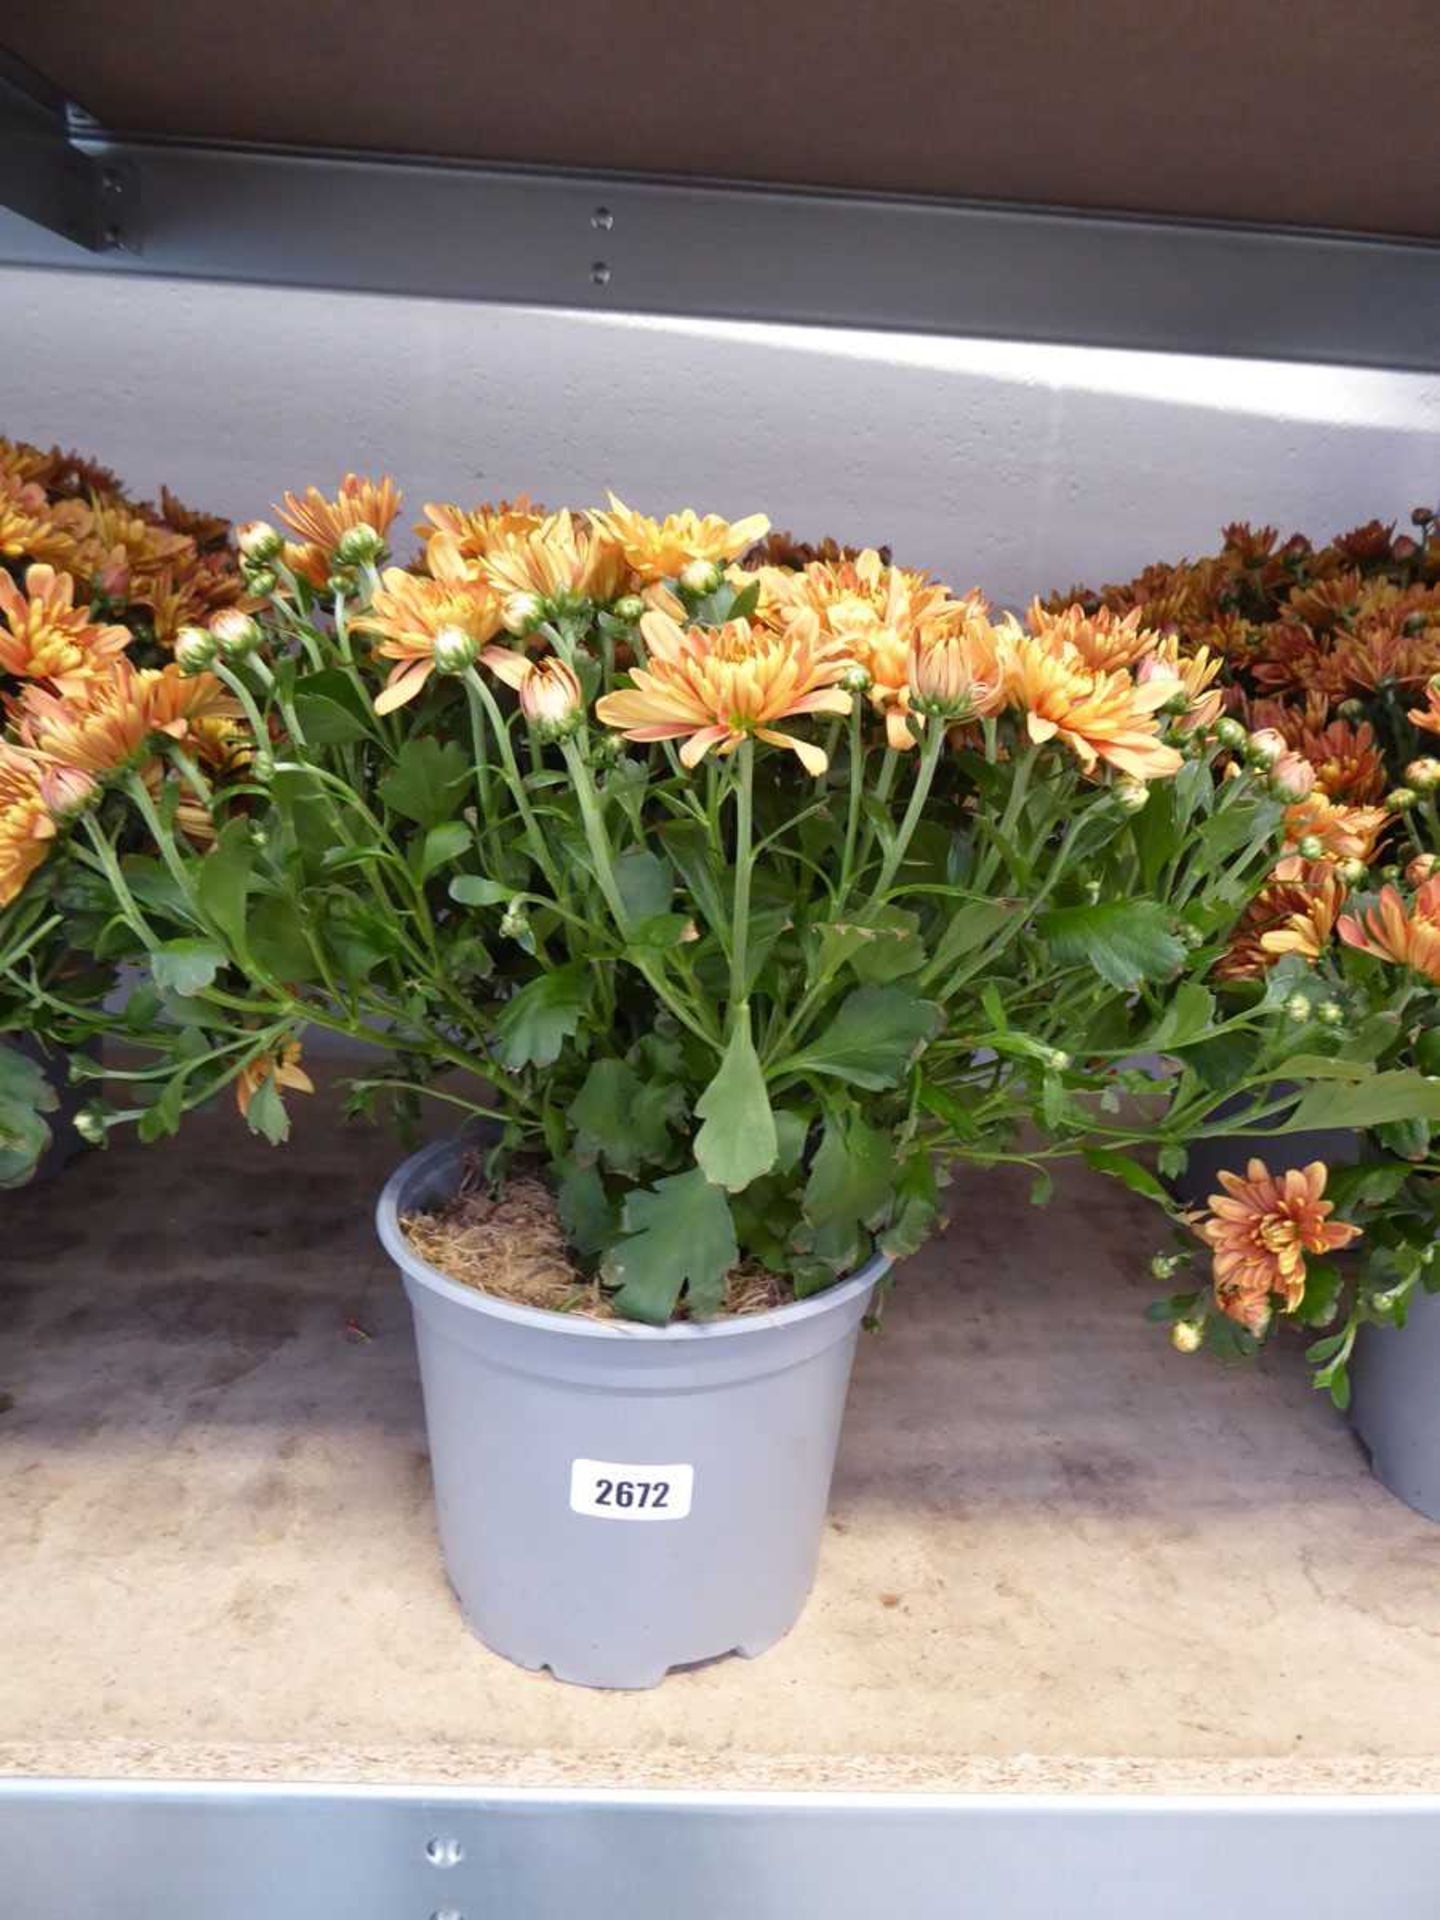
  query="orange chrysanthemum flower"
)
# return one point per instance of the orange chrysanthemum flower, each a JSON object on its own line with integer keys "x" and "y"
{"x": 866, "y": 610}
{"x": 551, "y": 697}
{"x": 1098, "y": 716}
{"x": 49, "y": 637}
{"x": 1427, "y": 718}
{"x": 318, "y": 522}
{"x": 662, "y": 549}
{"x": 111, "y": 723}
{"x": 717, "y": 686}
{"x": 959, "y": 664}
{"x": 1260, "y": 1229}
{"x": 1295, "y": 912}
{"x": 30, "y": 528}
{"x": 33, "y": 796}
{"x": 1408, "y": 936}
{"x": 474, "y": 530}
{"x": 1344, "y": 833}
{"x": 1192, "y": 675}
{"x": 1102, "y": 642}
{"x": 283, "y": 1068}
{"x": 564, "y": 556}
{"x": 410, "y": 612}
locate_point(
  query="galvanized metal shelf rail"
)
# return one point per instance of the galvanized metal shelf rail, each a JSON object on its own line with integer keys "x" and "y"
{"x": 160, "y": 1852}
{"x": 81, "y": 198}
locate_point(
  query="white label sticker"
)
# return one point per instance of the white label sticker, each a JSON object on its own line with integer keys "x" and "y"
{"x": 610, "y": 1490}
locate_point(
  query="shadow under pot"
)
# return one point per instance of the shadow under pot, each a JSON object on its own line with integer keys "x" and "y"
{"x": 614, "y": 1499}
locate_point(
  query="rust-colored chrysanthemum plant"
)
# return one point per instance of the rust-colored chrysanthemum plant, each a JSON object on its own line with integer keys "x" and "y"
{"x": 94, "y": 586}
{"x": 742, "y": 898}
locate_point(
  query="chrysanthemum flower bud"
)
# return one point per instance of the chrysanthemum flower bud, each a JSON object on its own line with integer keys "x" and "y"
{"x": 262, "y": 580}
{"x": 1423, "y": 774}
{"x": 1131, "y": 795}
{"x": 1421, "y": 516}
{"x": 455, "y": 650}
{"x": 1297, "y": 1008}
{"x": 1353, "y": 871}
{"x": 1164, "y": 1266}
{"x": 90, "y": 1124}
{"x": 1351, "y": 709}
{"x": 1265, "y": 747}
{"x": 1187, "y": 1336}
{"x": 1421, "y": 868}
{"x": 258, "y": 541}
{"x": 552, "y": 699}
{"x": 1330, "y": 1013}
{"x": 515, "y": 921}
{"x": 630, "y": 608}
{"x": 1058, "y": 1060}
{"x": 1230, "y": 733}
{"x": 1401, "y": 799}
{"x": 359, "y": 546}
{"x": 700, "y": 576}
{"x": 523, "y": 612}
{"x": 237, "y": 634}
{"x": 1388, "y": 1298}
{"x": 1190, "y": 936}
{"x": 342, "y": 586}
{"x": 1390, "y": 875}
{"x": 195, "y": 649}
{"x": 1311, "y": 847}
{"x": 262, "y": 765}
{"x": 857, "y": 678}
{"x": 1292, "y": 777}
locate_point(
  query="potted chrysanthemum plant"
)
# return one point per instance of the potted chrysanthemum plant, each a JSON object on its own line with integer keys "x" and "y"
{"x": 94, "y": 586}
{"x": 1350, "y": 964}
{"x": 727, "y": 907}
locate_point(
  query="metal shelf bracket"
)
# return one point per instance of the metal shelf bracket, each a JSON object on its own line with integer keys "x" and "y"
{"x": 46, "y": 177}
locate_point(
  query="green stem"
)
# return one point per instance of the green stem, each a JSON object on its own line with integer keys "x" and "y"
{"x": 857, "y": 789}
{"x": 539, "y": 846}
{"x": 930, "y": 752}
{"x": 740, "y": 913}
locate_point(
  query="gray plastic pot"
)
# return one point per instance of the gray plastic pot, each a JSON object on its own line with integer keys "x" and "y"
{"x": 613, "y": 1499}
{"x": 1395, "y": 1403}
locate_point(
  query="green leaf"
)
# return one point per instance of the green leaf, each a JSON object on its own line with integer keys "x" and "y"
{"x": 738, "y": 1141}
{"x": 440, "y": 846}
{"x": 533, "y": 1027}
{"x": 676, "y": 1234}
{"x": 222, "y": 883}
{"x": 474, "y": 890}
{"x": 645, "y": 882}
{"x": 1401, "y": 1095}
{"x": 1186, "y": 1016}
{"x": 917, "y": 1210}
{"x": 330, "y": 709}
{"x": 875, "y": 1035}
{"x": 1370, "y": 1183}
{"x": 624, "y": 1119}
{"x": 853, "y": 1174}
{"x": 585, "y": 1209}
{"x": 426, "y": 781}
{"x": 24, "y": 1082}
{"x": 688, "y": 845}
{"x": 1128, "y": 1172}
{"x": 1125, "y": 941}
{"x": 277, "y": 940}
{"x": 165, "y": 1112}
{"x": 266, "y": 1113}
{"x": 791, "y": 1132}
{"x": 885, "y": 945}
{"x": 970, "y": 926}
{"x": 186, "y": 966}
{"x": 1321, "y": 1299}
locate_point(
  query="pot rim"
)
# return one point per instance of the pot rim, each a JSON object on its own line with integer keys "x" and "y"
{"x": 410, "y": 1263}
